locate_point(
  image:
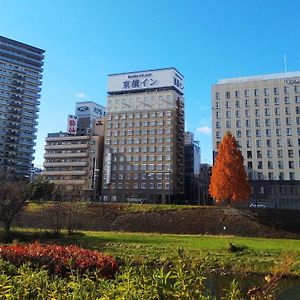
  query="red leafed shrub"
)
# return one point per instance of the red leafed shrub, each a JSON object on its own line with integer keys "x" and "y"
{"x": 61, "y": 259}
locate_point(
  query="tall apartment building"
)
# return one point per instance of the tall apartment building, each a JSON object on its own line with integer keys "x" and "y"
{"x": 20, "y": 81}
{"x": 263, "y": 113}
{"x": 144, "y": 136}
{"x": 73, "y": 159}
{"x": 192, "y": 162}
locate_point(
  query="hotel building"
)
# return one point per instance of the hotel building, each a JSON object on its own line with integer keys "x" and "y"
{"x": 20, "y": 81}
{"x": 263, "y": 113}
{"x": 144, "y": 137}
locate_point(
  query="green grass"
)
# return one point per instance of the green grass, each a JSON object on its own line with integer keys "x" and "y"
{"x": 261, "y": 255}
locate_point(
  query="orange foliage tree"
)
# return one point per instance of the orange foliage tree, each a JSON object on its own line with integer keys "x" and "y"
{"x": 229, "y": 179}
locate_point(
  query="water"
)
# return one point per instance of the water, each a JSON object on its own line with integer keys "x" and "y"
{"x": 288, "y": 288}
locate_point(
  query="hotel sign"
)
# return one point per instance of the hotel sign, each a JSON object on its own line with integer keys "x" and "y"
{"x": 145, "y": 80}
{"x": 72, "y": 124}
{"x": 292, "y": 81}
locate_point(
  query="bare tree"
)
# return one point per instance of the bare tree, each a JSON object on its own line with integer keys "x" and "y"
{"x": 12, "y": 200}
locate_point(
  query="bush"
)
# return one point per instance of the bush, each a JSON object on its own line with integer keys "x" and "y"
{"x": 61, "y": 259}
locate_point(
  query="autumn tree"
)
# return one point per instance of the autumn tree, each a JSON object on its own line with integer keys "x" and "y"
{"x": 229, "y": 179}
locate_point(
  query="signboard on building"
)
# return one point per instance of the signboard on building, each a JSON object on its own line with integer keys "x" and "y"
{"x": 72, "y": 124}
{"x": 152, "y": 79}
{"x": 90, "y": 108}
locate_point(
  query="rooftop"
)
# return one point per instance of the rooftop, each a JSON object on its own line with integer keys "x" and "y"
{"x": 260, "y": 77}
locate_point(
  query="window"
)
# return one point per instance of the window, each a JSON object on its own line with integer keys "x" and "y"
{"x": 246, "y": 93}
{"x": 279, "y": 153}
{"x": 256, "y": 112}
{"x": 288, "y": 110}
{"x": 276, "y": 91}
{"x": 276, "y": 100}
{"x": 258, "y": 133}
{"x": 249, "y": 154}
{"x": 256, "y": 92}
{"x": 237, "y": 94}
{"x": 217, "y": 105}
{"x": 289, "y": 131}
{"x": 227, "y": 95}
{"x": 237, "y": 104}
{"x": 269, "y": 153}
{"x": 246, "y": 102}
{"x": 297, "y": 99}
{"x": 227, "y": 104}
{"x": 268, "y": 143}
{"x": 259, "y": 165}
{"x": 228, "y": 124}
{"x": 290, "y": 153}
{"x": 277, "y": 111}
{"x": 249, "y": 165}
{"x": 280, "y": 164}
{"x": 228, "y": 114}
{"x": 248, "y": 133}
{"x": 289, "y": 142}
{"x": 217, "y": 95}
{"x": 270, "y": 164}
{"x": 279, "y": 142}
{"x": 266, "y": 92}
{"x": 286, "y": 89}
{"x": 277, "y": 122}
{"x": 267, "y": 101}
{"x": 257, "y": 122}
{"x": 238, "y": 123}
{"x": 291, "y": 164}
{"x": 267, "y": 111}
{"x": 258, "y": 143}
{"x": 256, "y": 102}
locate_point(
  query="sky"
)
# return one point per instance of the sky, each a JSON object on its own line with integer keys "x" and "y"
{"x": 206, "y": 40}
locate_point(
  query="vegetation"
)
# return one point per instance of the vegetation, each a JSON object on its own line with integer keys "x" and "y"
{"x": 40, "y": 189}
{"x": 258, "y": 255}
{"x": 229, "y": 179}
{"x": 60, "y": 259}
{"x": 13, "y": 195}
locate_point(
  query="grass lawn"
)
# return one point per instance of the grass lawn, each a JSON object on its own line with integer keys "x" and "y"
{"x": 259, "y": 255}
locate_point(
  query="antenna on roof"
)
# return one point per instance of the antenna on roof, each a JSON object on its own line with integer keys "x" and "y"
{"x": 285, "y": 64}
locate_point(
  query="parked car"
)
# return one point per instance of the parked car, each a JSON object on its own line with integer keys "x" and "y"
{"x": 257, "y": 205}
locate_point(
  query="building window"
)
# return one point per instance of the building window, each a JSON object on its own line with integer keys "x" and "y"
{"x": 217, "y": 95}
{"x": 269, "y": 153}
{"x": 238, "y": 123}
{"x": 291, "y": 164}
{"x": 286, "y": 89}
{"x": 237, "y": 94}
{"x": 256, "y": 92}
{"x": 280, "y": 164}
{"x": 227, "y": 104}
{"x": 270, "y": 165}
{"x": 279, "y": 153}
{"x": 266, "y": 92}
{"x": 228, "y": 114}
{"x": 276, "y": 91}
{"x": 276, "y": 100}
{"x": 259, "y": 154}
{"x": 259, "y": 165}
{"x": 246, "y": 93}
{"x": 227, "y": 95}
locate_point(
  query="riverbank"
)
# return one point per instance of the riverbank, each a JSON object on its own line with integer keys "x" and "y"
{"x": 212, "y": 253}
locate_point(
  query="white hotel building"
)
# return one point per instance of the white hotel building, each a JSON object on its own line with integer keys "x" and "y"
{"x": 144, "y": 137}
{"x": 263, "y": 113}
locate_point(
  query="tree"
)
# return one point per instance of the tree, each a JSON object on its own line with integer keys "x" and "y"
{"x": 13, "y": 195}
{"x": 229, "y": 179}
{"x": 40, "y": 189}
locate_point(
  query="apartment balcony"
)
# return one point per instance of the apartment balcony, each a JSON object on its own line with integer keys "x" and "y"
{"x": 66, "y": 164}
{"x": 71, "y": 146}
{"x": 65, "y": 155}
{"x": 64, "y": 173}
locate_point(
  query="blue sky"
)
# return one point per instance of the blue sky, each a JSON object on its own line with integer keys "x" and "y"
{"x": 205, "y": 40}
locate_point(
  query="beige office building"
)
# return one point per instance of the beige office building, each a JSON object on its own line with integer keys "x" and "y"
{"x": 144, "y": 137}
{"x": 263, "y": 113}
{"x": 75, "y": 161}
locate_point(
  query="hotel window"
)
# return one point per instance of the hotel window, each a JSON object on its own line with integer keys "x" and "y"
{"x": 238, "y": 123}
{"x": 280, "y": 164}
{"x": 129, "y": 149}
{"x": 289, "y": 142}
{"x": 276, "y": 91}
{"x": 152, "y": 140}
{"x": 249, "y": 154}
{"x": 246, "y": 102}
{"x": 168, "y": 140}
{"x": 135, "y": 186}
{"x": 248, "y": 143}
{"x": 268, "y": 122}
{"x": 168, "y": 113}
{"x": 276, "y": 101}
{"x": 152, "y": 149}
{"x": 116, "y": 117}
{"x": 218, "y": 124}
{"x": 228, "y": 114}
{"x": 289, "y": 131}
{"x": 288, "y": 121}
{"x": 286, "y": 89}
{"x": 218, "y": 115}
{"x": 227, "y": 104}
{"x": 128, "y": 167}
{"x": 145, "y": 115}
{"x": 260, "y": 175}
{"x": 144, "y": 158}
{"x": 246, "y": 93}
{"x": 123, "y": 124}
{"x": 288, "y": 110}
{"x": 247, "y": 114}
{"x": 237, "y": 94}
{"x": 257, "y": 122}
{"x": 137, "y": 132}
{"x": 159, "y": 158}
{"x": 218, "y": 134}
{"x": 159, "y": 186}
{"x": 143, "y": 185}
{"x": 151, "y": 158}
{"x": 217, "y": 105}
{"x": 237, "y": 104}
{"x": 268, "y": 143}
{"x": 297, "y": 110}
{"x": 168, "y": 122}
{"x": 144, "y": 167}
{"x": 137, "y": 115}
{"x": 292, "y": 177}
{"x": 217, "y": 95}
{"x": 291, "y": 164}
{"x": 256, "y": 112}
{"x": 279, "y": 153}
{"x": 258, "y": 143}
{"x": 160, "y": 122}
{"x": 108, "y": 117}
{"x": 238, "y": 133}
{"x": 277, "y": 111}
{"x": 159, "y": 167}
{"x": 256, "y": 102}
{"x": 259, "y": 165}
{"x": 168, "y": 148}
{"x": 145, "y": 140}
{"x": 266, "y": 92}
{"x": 267, "y": 101}
{"x": 228, "y": 124}
{"x": 145, "y": 123}
{"x": 160, "y": 114}
{"x": 277, "y": 122}
{"x": 267, "y": 111}
{"x": 256, "y": 92}
{"x": 290, "y": 153}
{"x": 130, "y": 116}
{"x": 298, "y": 120}
{"x": 258, "y": 133}
{"x": 248, "y": 133}
{"x": 237, "y": 114}
{"x": 281, "y": 176}
{"x": 227, "y": 95}
{"x": 268, "y": 132}
{"x": 121, "y": 167}
{"x": 271, "y": 177}
{"x": 247, "y": 123}
{"x": 279, "y": 143}
{"x": 269, "y": 153}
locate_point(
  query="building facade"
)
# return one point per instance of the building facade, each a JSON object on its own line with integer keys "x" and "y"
{"x": 263, "y": 113}
{"x": 192, "y": 162}
{"x": 144, "y": 137}
{"x": 74, "y": 162}
{"x": 20, "y": 81}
